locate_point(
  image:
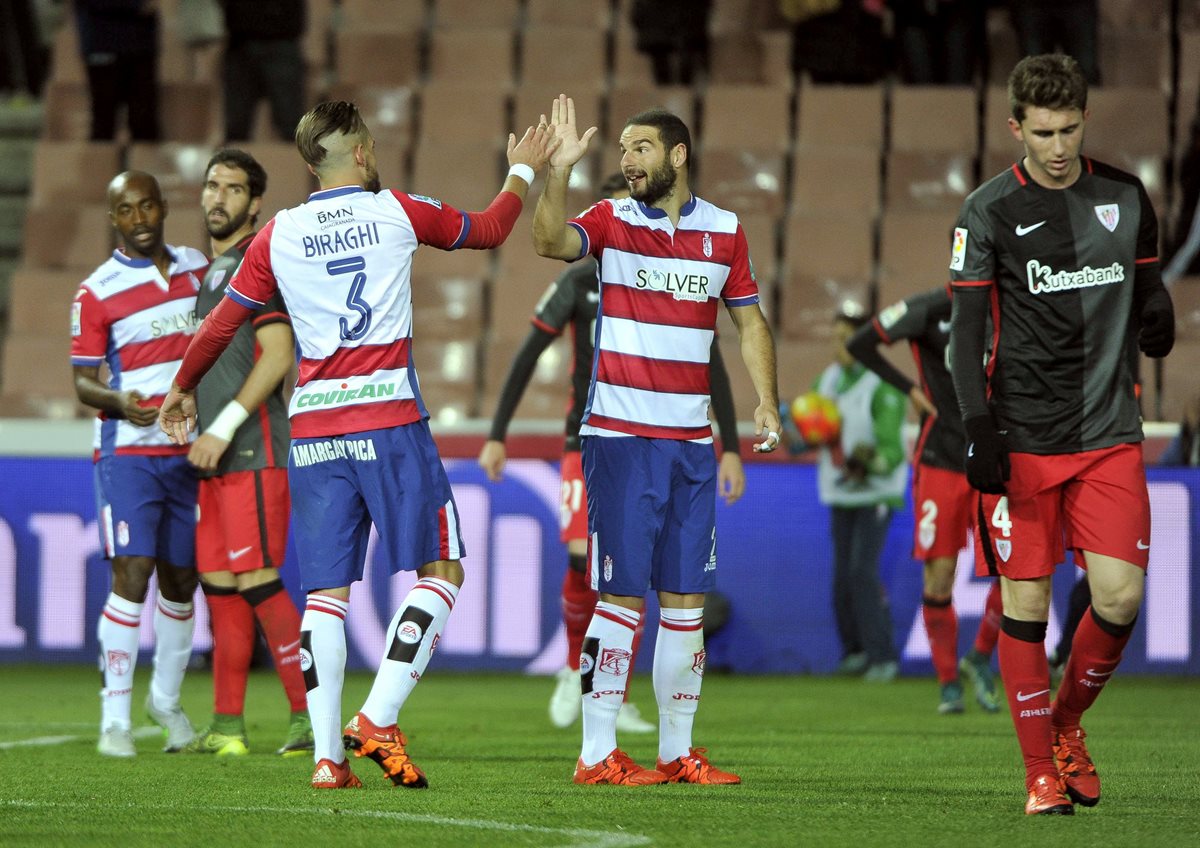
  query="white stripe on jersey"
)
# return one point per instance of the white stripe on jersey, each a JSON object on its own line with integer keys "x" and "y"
{"x": 152, "y": 379}
{"x": 156, "y": 322}
{"x": 656, "y": 341}
{"x": 331, "y": 394}
{"x": 621, "y": 268}
{"x": 665, "y": 409}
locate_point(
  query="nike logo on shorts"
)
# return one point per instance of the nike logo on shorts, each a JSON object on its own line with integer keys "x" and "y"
{"x": 1021, "y": 696}
{"x": 1024, "y": 231}
{"x": 240, "y": 552}
{"x": 1142, "y": 546}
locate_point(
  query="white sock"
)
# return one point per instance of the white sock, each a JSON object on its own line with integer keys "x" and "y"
{"x": 323, "y": 661}
{"x": 678, "y": 673}
{"x": 414, "y": 632}
{"x": 604, "y": 668}
{"x": 117, "y": 634}
{"x": 173, "y": 626}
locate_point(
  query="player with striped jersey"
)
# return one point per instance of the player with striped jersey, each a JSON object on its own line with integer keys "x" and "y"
{"x": 136, "y": 314}
{"x": 666, "y": 258}
{"x": 361, "y": 448}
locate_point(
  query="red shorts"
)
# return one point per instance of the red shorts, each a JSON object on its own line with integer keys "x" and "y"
{"x": 572, "y": 512}
{"x": 942, "y": 505}
{"x": 1088, "y": 501}
{"x": 243, "y": 521}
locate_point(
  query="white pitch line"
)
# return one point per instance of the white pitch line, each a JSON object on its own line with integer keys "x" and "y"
{"x": 36, "y": 741}
{"x": 580, "y": 837}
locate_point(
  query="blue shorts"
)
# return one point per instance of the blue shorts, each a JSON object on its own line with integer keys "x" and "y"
{"x": 342, "y": 484}
{"x": 147, "y": 507}
{"x": 652, "y": 515}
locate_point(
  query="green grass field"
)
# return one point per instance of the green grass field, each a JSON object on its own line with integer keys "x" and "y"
{"x": 824, "y": 762}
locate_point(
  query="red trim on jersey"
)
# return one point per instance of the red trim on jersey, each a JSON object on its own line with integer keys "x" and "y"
{"x": 654, "y": 307}
{"x": 649, "y": 431}
{"x": 950, "y": 288}
{"x": 543, "y": 326}
{"x": 972, "y": 283}
{"x": 681, "y": 626}
{"x": 1087, "y": 163}
{"x": 443, "y": 535}
{"x": 880, "y": 331}
{"x": 356, "y": 361}
{"x": 1016, "y": 169}
{"x": 687, "y": 244}
{"x": 991, "y": 366}
{"x": 355, "y": 418}
{"x": 437, "y": 590}
{"x": 155, "y": 352}
{"x": 128, "y": 303}
{"x": 1148, "y": 261}
{"x": 658, "y": 375}
{"x": 614, "y": 617}
{"x": 143, "y": 450}
{"x": 271, "y": 318}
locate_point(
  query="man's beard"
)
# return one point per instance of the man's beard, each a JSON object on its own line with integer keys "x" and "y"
{"x": 373, "y": 185}
{"x": 659, "y": 183}
{"x": 231, "y": 225}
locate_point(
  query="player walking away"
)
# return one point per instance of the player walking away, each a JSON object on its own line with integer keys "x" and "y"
{"x": 666, "y": 257}
{"x": 574, "y": 299}
{"x": 1062, "y": 250}
{"x": 134, "y": 314}
{"x": 942, "y": 499}
{"x": 361, "y": 448}
{"x": 242, "y": 460}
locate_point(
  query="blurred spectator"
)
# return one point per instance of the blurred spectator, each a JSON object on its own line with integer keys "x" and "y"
{"x": 1067, "y": 26}
{"x": 837, "y": 41}
{"x": 1183, "y": 240}
{"x": 938, "y": 41}
{"x": 674, "y": 34}
{"x": 119, "y": 43}
{"x": 263, "y": 59}
{"x": 1184, "y": 449}
{"x": 22, "y": 53}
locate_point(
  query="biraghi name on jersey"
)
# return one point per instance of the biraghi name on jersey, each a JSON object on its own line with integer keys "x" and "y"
{"x": 347, "y": 238}
{"x": 310, "y": 453}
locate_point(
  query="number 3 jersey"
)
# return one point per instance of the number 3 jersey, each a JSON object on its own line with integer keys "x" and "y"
{"x": 343, "y": 263}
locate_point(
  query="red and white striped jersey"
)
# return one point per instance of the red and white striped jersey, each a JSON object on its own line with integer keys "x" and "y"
{"x": 343, "y": 263}
{"x": 127, "y": 316}
{"x": 659, "y": 291}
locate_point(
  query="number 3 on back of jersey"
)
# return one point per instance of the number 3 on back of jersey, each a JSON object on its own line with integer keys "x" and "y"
{"x": 355, "y": 265}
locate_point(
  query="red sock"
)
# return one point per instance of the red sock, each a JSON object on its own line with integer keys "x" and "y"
{"x": 941, "y": 626}
{"x": 233, "y": 644}
{"x": 578, "y": 602}
{"x": 280, "y": 622}
{"x": 989, "y": 625}
{"x": 1026, "y": 675}
{"x": 1095, "y": 654}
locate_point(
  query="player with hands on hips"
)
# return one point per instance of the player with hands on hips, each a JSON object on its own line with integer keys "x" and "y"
{"x": 645, "y": 435}
{"x": 361, "y": 453}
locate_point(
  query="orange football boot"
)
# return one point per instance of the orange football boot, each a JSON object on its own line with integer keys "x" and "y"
{"x": 384, "y": 745}
{"x": 618, "y": 769}
{"x": 1047, "y": 797}
{"x": 1076, "y": 766}
{"x": 695, "y": 768}
{"x": 331, "y": 775}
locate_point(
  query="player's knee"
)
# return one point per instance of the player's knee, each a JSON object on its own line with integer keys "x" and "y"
{"x": 131, "y": 577}
{"x": 1119, "y": 605}
{"x": 177, "y": 584}
{"x": 450, "y": 570}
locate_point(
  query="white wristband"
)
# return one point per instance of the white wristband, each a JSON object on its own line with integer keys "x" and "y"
{"x": 523, "y": 171}
{"x": 226, "y": 424}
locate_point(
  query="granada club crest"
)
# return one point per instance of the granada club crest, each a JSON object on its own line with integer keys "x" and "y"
{"x": 608, "y": 566}
{"x": 118, "y": 662}
{"x": 698, "y": 660}
{"x": 1109, "y": 214}
{"x": 707, "y": 244}
{"x": 615, "y": 661}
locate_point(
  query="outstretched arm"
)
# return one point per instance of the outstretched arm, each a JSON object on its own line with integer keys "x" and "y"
{"x": 552, "y": 237}
{"x": 758, "y": 352}
{"x": 526, "y": 157}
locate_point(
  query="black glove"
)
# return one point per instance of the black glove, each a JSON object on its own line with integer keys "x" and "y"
{"x": 1157, "y": 334}
{"x": 986, "y": 462}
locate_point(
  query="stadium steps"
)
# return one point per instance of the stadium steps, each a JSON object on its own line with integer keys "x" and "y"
{"x": 20, "y": 126}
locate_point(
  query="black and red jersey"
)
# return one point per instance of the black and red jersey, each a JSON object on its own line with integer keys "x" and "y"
{"x": 262, "y": 440}
{"x": 1060, "y": 267}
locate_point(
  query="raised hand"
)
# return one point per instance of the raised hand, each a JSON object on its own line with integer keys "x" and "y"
{"x": 562, "y": 121}
{"x": 534, "y": 148}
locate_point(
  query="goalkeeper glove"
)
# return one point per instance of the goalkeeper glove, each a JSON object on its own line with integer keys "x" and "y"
{"x": 986, "y": 462}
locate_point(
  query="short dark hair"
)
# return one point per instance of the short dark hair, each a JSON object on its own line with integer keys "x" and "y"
{"x": 231, "y": 157}
{"x": 1050, "y": 81}
{"x": 332, "y": 116}
{"x": 612, "y": 184}
{"x": 672, "y": 130}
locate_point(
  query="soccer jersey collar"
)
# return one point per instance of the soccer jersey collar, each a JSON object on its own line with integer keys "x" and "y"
{"x": 339, "y": 191}
{"x": 653, "y": 212}
{"x": 135, "y": 262}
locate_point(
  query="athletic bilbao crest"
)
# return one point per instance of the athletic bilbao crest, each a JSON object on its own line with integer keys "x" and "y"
{"x": 707, "y": 244}
{"x": 615, "y": 660}
{"x": 1004, "y": 548}
{"x": 1109, "y": 214}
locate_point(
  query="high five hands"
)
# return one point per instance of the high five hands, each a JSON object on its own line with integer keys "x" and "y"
{"x": 571, "y": 147}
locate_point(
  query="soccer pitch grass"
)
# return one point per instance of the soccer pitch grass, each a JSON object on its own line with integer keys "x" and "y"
{"x": 825, "y": 762}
